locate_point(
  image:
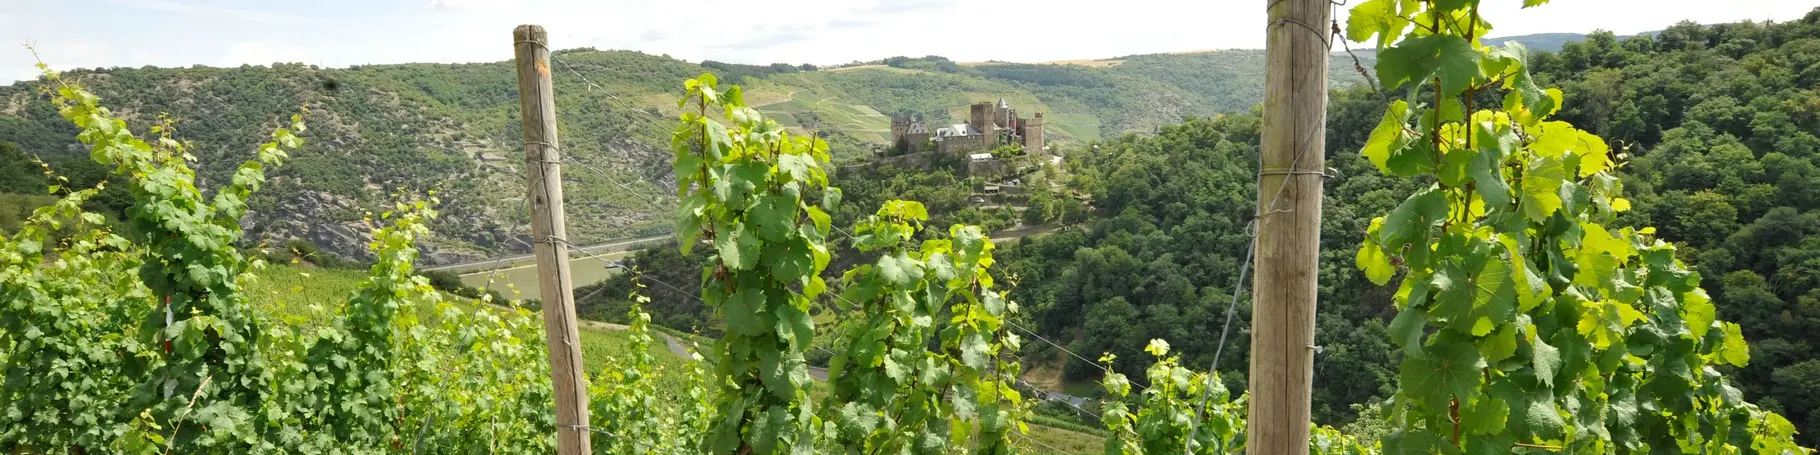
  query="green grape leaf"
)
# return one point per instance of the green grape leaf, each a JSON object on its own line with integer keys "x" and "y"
{"x": 1554, "y": 139}
{"x": 1454, "y": 289}
{"x": 686, "y": 164}
{"x": 1531, "y": 288}
{"x": 718, "y": 138}
{"x": 1494, "y": 298}
{"x": 823, "y": 222}
{"x": 1375, "y": 17}
{"x": 1486, "y": 171}
{"x": 1407, "y": 329}
{"x": 1733, "y": 349}
{"x": 738, "y": 248}
{"x": 736, "y": 182}
{"x": 1595, "y": 156}
{"x": 1542, "y": 417}
{"x": 1372, "y": 260}
{"x": 795, "y": 324}
{"x": 774, "y": 216}
{"x": 831, "y": 198}
{"x": 1542, "y": 188}
{"x": 1600, "y": 254}
{"x": 973, "y": 351}
{"x": 744, "y": 312}
{"x": 1455, "y": 166}
{"x": 993, "y": 303}
{"x": 1485, "y": 416}
{"x": 1453, "y": 5}
{"x": 1546, "y": 360}
{"x": 1447, "y": 57}
{"x": 1389, "y": 137}
{"x": 1699, "y": 312}
{"x": 1414, "y": 217}
{"x": 797, "y": 166}
{"x": 1605, "y": 321}
{"x": 1448, "y": 370}
{"x": 1500, "y": 345}
{"x": 767, "y": 430}
{"x": 1415, "y": 441}
{"x": 1489, "y": 444}
{"x": 1525, "y": 94}
{"x": 899, "y": 269}
{"x": 1576, "y": 352}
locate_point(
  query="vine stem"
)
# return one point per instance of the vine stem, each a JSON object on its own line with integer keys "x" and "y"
{"x": 177, "y": 426}
{"x": 1453, "y": 413}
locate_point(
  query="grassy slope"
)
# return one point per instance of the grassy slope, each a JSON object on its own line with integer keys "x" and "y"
{"x": 303, "y": 297}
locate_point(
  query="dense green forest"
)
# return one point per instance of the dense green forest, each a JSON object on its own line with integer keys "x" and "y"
{"x": 1716, "y": 125}
{"x": 1721, "y": 123}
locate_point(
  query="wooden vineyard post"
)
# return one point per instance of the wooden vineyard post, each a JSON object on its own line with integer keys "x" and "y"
{"x": 537, "y": 103}
{"x": 1289, "y": 226}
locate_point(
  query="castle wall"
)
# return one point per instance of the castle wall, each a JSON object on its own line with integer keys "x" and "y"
{"x": 985, "y": 168}
{"x": 917, "y": 142}
{"x": 964, "y": 144}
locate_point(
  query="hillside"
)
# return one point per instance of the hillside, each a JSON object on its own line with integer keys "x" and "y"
{"x": 452, "y": 128}
{"x": 1715, "y": 126}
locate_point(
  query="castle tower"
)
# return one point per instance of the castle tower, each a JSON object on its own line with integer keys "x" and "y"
{"x": 899, "y": 127}
{"x": 1033, "y": 134}
{"x": 981, "y": 117}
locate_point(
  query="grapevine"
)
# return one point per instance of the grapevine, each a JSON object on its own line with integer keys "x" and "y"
{"x": 887, "y": 385}
{"x": 629, "y": 408}
{"x": 67, "y": 349}
{"x": 892, "y": 393}
{"x": 191, "y": 264}
{"x": 745, "y": 190}
{"x": 1169, "y": 412}
{"x": 1527, "y": 322}
{"x": 92, "y": 367}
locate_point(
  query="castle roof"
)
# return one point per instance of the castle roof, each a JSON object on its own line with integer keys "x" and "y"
{"x": 1002, "y": 104}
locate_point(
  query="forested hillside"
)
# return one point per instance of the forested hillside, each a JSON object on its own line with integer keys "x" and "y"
{"x": 1719, "y": 126}
{"x": 453, "y": 128}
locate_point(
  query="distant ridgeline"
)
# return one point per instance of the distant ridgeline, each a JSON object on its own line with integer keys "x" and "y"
{"x": 453, "y": 128}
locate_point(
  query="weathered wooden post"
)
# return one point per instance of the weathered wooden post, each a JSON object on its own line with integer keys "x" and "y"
{"x": 1289, "y": 227}
{"x": 537, "y": 103}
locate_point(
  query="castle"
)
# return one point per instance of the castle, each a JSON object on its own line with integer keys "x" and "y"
{"x": 987, "y": 128}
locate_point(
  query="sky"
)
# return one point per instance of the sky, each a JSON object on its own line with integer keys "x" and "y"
{"x": 338, "y": 33}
